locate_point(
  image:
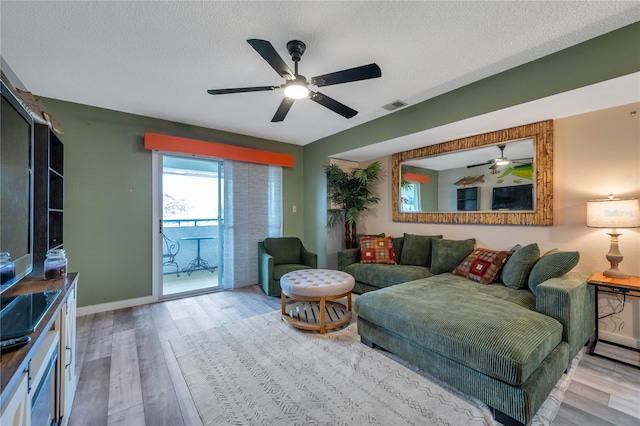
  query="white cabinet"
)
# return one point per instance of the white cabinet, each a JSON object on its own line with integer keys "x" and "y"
{"x": 32, "y": 386}
{"x": 68, "y": 380}
{"x": 39, "y": 380}
{"x": 17, "y": 410}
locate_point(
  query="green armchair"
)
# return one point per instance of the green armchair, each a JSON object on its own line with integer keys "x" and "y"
{"x": 277, "y": 256}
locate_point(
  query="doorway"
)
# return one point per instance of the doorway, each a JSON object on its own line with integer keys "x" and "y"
{"x": 191, "y": 225}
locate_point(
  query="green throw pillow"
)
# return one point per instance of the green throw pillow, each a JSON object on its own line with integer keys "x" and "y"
{"x": 447, "y": 254}
{"x": 515, "y": 273}
{"x": 553, "y": 264}
{"x": 398, "y": 243}
{"x": 513, "y": 250}
{"x": 417, "y": 250}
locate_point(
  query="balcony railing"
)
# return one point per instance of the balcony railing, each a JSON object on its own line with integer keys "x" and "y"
{"x": 189, "y": 222}
{"x": 183, "y": 232}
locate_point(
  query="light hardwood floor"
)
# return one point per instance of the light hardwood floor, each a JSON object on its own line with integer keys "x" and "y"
{"x": 129, "y": 376}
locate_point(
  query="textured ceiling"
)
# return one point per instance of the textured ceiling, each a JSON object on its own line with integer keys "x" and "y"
{"x": 158, "y": 58}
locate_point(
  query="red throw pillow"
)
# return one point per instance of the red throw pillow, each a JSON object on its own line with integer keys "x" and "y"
{"x": 377, "y": 250}
{"x": 483, "y": 265}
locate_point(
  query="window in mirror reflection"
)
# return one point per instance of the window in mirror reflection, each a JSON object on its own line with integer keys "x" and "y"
{"x": 410, "y": 195}
{"x": 424, "y": 183}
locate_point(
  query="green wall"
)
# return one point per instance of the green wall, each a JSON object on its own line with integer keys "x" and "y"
{"x": 609, "y": 56}
{"x": 107, "y": 223}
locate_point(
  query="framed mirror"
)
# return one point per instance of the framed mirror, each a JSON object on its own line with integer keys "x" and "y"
{"x": 498, "y": 178}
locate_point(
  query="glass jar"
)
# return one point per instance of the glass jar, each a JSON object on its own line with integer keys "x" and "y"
{"x": 7, "y": 267}
{"x": 55, "y": 265}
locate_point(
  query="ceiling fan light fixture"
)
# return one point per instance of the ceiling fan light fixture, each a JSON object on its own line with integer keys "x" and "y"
{"x": 502, "y": 161}
{"x": 296, "y": 90}
{"x": 297, "y": 86}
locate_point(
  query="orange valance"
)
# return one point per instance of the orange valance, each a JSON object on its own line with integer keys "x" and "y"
{"x": 416, "y": 177}
{"x": 213, "y": 149}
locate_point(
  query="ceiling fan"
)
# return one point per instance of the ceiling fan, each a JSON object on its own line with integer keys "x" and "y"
{"x": 297, "y": 86}
{"x": 503, "y": 161}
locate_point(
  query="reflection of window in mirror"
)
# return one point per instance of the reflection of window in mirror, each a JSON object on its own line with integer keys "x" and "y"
{"x": 410, "y": 195}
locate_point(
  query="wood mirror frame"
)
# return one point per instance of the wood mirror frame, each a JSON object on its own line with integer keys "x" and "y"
{"x": 542, "y": 215}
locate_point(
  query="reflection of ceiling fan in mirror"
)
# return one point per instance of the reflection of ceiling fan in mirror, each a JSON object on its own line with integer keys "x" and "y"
{"x": 504, "y": 161}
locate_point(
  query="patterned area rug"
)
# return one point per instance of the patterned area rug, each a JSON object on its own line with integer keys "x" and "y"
{"x": 263, "y": 371}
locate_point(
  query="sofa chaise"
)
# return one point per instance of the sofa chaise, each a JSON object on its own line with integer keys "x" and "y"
{"x": 506, "y": 343}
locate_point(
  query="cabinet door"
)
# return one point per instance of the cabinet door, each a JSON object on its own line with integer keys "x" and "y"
{"x": 17, "y": 410}
{"x": 68, "y": 365}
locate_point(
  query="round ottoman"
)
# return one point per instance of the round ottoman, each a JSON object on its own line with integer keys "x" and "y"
{"x": 312, "y": 294}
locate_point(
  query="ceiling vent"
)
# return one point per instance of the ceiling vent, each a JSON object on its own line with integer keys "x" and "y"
{"x": 394, "y": 105}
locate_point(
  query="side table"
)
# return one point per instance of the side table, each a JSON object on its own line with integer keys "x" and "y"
{"x": 198, "y": 263}
{"x": 622, "y": 287}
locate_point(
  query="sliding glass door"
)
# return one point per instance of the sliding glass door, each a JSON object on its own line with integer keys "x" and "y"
{"x": 191, "y": 225}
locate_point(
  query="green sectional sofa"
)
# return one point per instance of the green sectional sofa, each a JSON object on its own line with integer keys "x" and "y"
{"x": 504, "y": 343}
{"x": 371, "y": 276}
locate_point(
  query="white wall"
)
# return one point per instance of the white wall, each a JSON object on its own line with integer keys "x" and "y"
{"x": 595, "y": 154}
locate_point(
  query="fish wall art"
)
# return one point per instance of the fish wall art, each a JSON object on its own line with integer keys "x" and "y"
{"x": 470, "y": 180}
{"x": 524, "y": 172}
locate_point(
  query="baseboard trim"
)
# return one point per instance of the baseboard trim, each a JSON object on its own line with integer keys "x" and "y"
{"x": 621, "y": 340}
{"x": 112, "y": 306}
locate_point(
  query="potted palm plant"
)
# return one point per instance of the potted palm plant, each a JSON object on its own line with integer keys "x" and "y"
{"x": 350, "y": 194}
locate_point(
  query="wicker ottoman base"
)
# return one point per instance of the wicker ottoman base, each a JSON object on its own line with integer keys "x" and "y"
{"x": 311, "y": 295}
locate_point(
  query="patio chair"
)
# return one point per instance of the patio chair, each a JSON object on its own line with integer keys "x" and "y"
{"x": 171, "y": 249}
{"x": 277, "y": 256}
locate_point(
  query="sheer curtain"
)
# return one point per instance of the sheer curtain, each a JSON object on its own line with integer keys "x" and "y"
{"x": 252, "y": 212}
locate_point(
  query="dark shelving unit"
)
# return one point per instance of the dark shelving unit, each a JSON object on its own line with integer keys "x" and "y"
{"x": 468, "y": 199}
{"x": 48, "y": 197}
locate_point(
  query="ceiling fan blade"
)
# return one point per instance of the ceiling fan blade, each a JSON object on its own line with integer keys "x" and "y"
{"x": 269, "y": 54}
{"x": 241, "y": 90}
{"x": 493, "y": 166}
{"x": 283, "y": 109}
{"x": 332, "y": 104}
{"x": 479, "y": 164}
{"x": 364, "y": 72}
{"x": 523, "y": 165}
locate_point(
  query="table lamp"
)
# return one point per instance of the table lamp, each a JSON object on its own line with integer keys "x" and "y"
{"x": 613, "y": 213}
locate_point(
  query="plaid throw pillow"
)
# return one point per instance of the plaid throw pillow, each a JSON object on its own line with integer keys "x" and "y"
{"x": 377, "y": 250}
{"x": 482, "y": 265}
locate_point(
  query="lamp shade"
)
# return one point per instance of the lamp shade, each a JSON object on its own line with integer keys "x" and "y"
{"x": 613, "y": 213}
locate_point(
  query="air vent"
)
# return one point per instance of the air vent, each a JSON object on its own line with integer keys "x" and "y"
{"x": 394, "y": 105}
